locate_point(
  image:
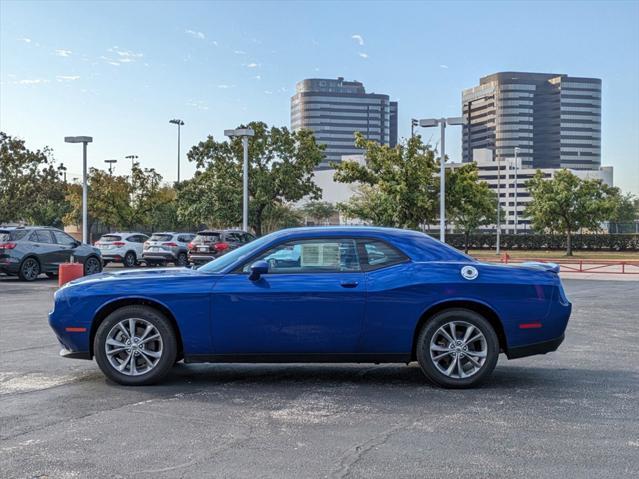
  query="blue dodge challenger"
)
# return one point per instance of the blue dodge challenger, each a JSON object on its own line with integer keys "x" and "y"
{"x": 334, "y": 294}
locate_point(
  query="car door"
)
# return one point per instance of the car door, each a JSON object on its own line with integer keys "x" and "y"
{"x": 311, "y": 302}
{"x": 66, "y": 246}
{"x": 45, "y": 249}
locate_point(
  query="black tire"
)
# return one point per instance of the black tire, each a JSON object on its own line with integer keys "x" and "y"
{"x": 182, "y": 260}
{"x": 92, "y": 265}
{"x": 164, "y": 328}
{"x": 428, "y": 365}
{"x": 29, "y": 269}
{"x": 129, "y": 260}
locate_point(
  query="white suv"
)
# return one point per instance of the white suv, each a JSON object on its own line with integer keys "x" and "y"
{"x": 125, "y": 248}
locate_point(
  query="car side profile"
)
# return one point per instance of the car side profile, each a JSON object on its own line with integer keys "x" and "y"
{"x": 321, "y": 294}
{"x": 30, "y": 251}
{"x": 122, "y": 247}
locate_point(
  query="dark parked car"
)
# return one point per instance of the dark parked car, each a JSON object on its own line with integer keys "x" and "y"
{"x": 210, "y": 244}
{"x": 31, "y": 250}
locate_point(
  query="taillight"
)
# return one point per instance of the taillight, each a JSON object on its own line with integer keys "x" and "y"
{"x": 221, "y": 246}
{"x": 119, "y": 243}
{"x": 97, "y": 243}
{"x": 190, "y": 246}
{"x": 146, "y": 243}
{"x": 171, "y": 244}
{"x": 7, "y": 245}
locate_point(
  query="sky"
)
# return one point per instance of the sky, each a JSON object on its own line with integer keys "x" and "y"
{"x": 119, "y": 71}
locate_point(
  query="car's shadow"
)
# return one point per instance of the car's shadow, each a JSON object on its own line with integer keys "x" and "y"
{"x": 540, "y": 380}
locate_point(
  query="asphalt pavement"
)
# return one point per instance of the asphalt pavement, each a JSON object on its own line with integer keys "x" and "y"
{"x": 572, "y": 413}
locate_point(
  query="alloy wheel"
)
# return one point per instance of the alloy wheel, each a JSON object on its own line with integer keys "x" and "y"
{"x": 133, "y": 346}
{"x": 30, "y": 269}
{"x": 92, "y": 266}
{"x": 458, "y": 349}
{"x": 129, "y": 260}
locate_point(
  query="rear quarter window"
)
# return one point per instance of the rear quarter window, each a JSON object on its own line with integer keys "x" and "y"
{"x": 12, "y": 235}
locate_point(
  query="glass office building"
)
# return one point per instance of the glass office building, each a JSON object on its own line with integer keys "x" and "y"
{"x": 554, "y": 119}
{"x": 335, "y": 109}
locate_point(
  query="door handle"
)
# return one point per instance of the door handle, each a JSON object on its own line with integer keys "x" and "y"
{"x": 349, "y": 284}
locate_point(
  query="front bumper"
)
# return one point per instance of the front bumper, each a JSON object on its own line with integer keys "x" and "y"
{"x": 65, "y": 353}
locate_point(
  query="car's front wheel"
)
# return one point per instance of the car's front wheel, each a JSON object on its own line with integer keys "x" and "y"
{"x": 457, "y": 348}
{"x": 135, "y": 346}
{"x": 92, "y": 265}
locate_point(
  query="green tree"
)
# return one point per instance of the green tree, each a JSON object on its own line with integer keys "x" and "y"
{"x": 566, "y": 203}
{"x": 470, "y": 203}
{"x": 320, "y": 211}
{"x": 624, "y": 213}
{"x": 397, "y": 186}
{"x": 31, "y": 186}
{"x": 280, "y": 216}
{"x": 281, "y": 165}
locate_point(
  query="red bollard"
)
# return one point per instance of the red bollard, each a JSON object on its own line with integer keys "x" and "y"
{"x": 69, "y": 271}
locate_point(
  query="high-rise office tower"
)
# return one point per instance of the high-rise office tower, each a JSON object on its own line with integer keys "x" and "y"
{"x": 335, "y": 109}
{"x": 554, "y": 119}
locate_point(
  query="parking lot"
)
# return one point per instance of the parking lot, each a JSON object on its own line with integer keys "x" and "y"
{"x": 573, "y": 413}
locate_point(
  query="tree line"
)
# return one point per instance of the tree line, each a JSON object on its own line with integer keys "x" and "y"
{"x": 396, "y": 187}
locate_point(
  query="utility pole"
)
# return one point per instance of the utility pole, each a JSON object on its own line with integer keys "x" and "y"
{"x": 179, "y": 123}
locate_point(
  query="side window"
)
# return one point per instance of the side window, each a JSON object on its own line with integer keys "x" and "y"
{"x": 377, "y": 254}
{"x": 329, "y": 255}
{"x": 43, "y": 236}
{"x": 63, "y": 238}
{"x": 248, "y": 237}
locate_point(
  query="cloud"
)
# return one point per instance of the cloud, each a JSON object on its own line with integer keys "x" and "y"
{"x": 25, "y": 40}
{"x": 239, "y": 52}
{"x": 268, "y": 92}
{"x": 363, "y": 55}
{"x": 36, "y": 81}
{"x": 125, "y": 53}
{"x": 443, "y": 66}
{"x": 358, "y": 38}
{"x": 258, "y": 77}
{"x": 200, "y": 105}
{"x": 215, "y": 44}
{"x": 63, "y": 53}
{"x": 252, "y": 65}
{"x": 62, "y": 78}
{"x": 195, "y": 34}
{"x": 225, "y": 86}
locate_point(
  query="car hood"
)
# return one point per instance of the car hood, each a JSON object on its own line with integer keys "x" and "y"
{"x": 129, "y": 274}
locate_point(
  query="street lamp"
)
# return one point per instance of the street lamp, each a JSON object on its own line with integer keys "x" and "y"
{"x": 84, "y": 140}
{"x": 111, "y": 163}
{"x": 413, "y": 124}
{"x": 442, "y": 122}
{"x": 132, "y": 158}
{"x": 243, "y": 133}
{"x": 179, "y": 123}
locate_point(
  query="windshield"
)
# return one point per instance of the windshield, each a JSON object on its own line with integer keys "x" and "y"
{"x": 161, "y": 237}
{"x": 220, "y": 264}
{"x": 110, "y": 238}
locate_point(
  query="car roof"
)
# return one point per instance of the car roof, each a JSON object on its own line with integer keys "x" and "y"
{"x": 211, "y": 230}
{"x": 124, "y": 233}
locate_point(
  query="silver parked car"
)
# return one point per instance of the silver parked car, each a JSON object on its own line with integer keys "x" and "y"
{"x": 167, "y": 247}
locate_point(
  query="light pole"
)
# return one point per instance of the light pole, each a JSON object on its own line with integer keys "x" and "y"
{"x": 413, "y": 124}
{"x": 442, "y": 122}
{"x": 133, "y": 158}
{"x": 111, "y": 163}
{"x": 84, "y": 140}
{"x": 243, "y": 133}
{"x": 517, "y": 149}
{"x": 179, "y": 123}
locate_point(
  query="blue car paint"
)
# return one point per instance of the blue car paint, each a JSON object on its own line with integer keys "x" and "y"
{"x": 220, "y": 311}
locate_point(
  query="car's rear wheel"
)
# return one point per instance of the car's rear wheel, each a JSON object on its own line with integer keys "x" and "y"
{"x": 92, "y": 266}
{"x": 182, "y": 260}
{"x": 135, "y": 346}
{"x": 29, "y": 270}
{"x": 457, "y": 348}
{"x": 129, "y": 259}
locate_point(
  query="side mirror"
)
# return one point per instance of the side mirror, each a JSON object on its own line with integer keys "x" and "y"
{"x": 258, "y": 269}
{"x": 76, "y": 244}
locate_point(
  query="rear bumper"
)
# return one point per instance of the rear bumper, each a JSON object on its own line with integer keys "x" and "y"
{"x": 158, "y": 256}
{"x": 542, "y": 347}
{"x": 201, "y": 258}
{"x": 112, "y": 257}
